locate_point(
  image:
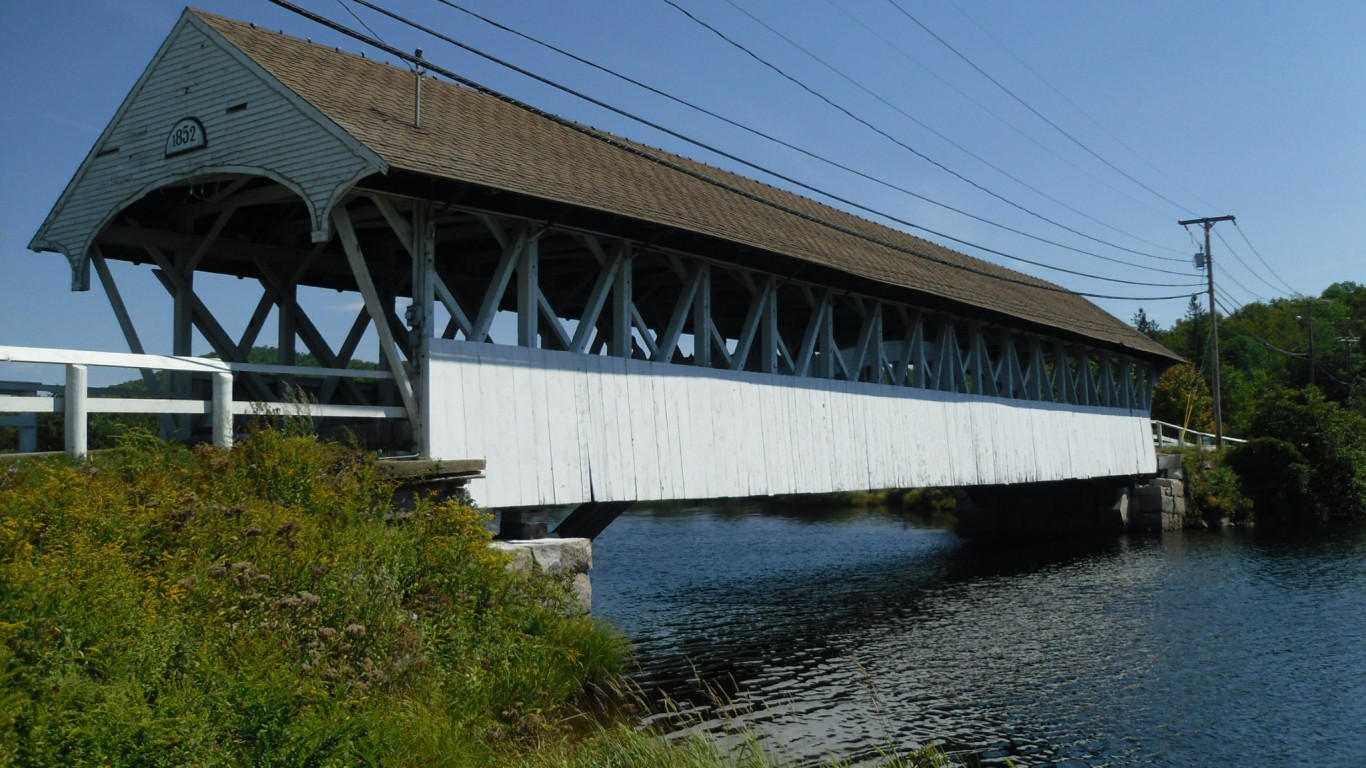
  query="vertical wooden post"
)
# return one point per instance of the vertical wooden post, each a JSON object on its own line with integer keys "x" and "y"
{"x": 75, "y": 407}
{"x": 701, "y": 318}
{"x": 828, "y": 350}
{"x": 768, "y": 326}
{"x": 622, "y": 301}
{"x": 420, "y": 320}
{"x": 182, "y": 337}
{"x": 286, "y": 299}
{"x": 222, "y": 409}
{"x": 529, "y": 295}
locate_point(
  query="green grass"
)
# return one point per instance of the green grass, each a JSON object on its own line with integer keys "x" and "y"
{"x": 259, "y": 607}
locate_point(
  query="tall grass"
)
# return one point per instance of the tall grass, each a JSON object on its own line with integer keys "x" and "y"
{"x": 167, "y": 606}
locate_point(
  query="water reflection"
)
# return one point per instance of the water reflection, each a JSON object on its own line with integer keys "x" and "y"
{"x": 852, "y": 630}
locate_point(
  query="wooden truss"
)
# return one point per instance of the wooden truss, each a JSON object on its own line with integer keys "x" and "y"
{"x": 483, "y": 277}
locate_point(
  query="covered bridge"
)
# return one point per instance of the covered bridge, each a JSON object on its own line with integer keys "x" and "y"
{"x": 664, "y": 328}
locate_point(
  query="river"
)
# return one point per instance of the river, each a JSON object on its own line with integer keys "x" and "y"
{"x": 847, "y": 632}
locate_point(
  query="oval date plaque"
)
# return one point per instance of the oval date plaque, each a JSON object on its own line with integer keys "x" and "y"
{"x": 187, "y": 136}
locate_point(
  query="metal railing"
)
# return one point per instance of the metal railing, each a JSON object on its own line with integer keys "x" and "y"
{"x": 1185, "y": 438}
{"x": 74, "y": 400}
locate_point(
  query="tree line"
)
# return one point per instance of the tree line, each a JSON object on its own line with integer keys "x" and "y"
{"x": 1293, "y": 382}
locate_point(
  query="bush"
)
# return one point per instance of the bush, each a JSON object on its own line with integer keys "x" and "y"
{"x": 167, "y": 606}
{"x": 1274, "y": 475}
{"x": 1332, "y": 440}
{"x": 1214, "y": 494}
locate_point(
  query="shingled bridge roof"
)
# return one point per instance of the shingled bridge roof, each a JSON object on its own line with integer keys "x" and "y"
{"x": 477, "y": 138}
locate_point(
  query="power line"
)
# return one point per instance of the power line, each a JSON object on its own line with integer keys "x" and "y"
{"x": 1036, "y": 112}
{"x": 1293, "y": 292}
{"x": 819, "y": 60}
{"x": 730, "y": 156}
{"x": 807, "y": 152}
{"x": 1075, "y": 106}
{"x": 1255, "y": 274}
{"x": 1255, "y": 337}
{"x": 835, "y": 105}
{"x": 666, "y": 162}
{"x": 1003, "y": 121}
{"x": 358, "y": 19}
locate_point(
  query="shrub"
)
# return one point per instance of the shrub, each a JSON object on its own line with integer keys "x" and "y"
{"x": 1274, "y": 475}
{"x": 1332, "y": 440}
{"x": 167, "y": 606}
{"x": 1214, "y": 494}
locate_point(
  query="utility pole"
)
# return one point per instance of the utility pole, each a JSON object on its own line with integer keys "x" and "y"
{"x": 1309, "y": 304}
{"x": 1208, "y": 224}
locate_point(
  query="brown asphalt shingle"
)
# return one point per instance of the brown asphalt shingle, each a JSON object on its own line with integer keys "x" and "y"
{"x": 477, "y": 138}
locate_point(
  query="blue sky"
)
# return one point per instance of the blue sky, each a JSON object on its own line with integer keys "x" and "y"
{"x": 1163, "y": 111}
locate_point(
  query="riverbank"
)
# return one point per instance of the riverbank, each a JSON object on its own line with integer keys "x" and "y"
{"x": 167, "y": 606}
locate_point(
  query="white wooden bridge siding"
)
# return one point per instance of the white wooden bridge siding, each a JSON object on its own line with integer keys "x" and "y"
{"x": 562, "y": 428}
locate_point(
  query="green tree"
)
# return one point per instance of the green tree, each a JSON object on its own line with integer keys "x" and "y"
{"x": 1332, "y": 440}
{"x": 1182, "y": 397}
{"x": 1144, "y": 324}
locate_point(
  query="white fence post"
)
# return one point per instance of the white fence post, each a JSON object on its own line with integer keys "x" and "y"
{"x": 76, "y": 409}
{"x": 222, "y": 410}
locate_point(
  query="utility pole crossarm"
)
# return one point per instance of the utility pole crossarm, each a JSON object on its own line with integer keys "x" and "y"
{"x": 1208, "y": 223}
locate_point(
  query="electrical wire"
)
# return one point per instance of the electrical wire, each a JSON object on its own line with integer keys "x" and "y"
{"x": 1077, "y": 107}
{"x": 1250, "y": 270}
{"x": 801, "y": 150}
{"x": 1245, "y": 332}
{"x": 836, "y": 5}
{"x": 640, "y": 151}
{"x": 1036, "y": 112}
{"x": 735, "y": 158}
{"x": 1293, "y": 292}
{"x": 840, "y": 108}
{"x": 938, "y": 134}
{"x": 359, "y": 20}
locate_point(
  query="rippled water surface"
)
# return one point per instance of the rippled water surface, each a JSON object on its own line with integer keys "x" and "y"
{"x": 848, "y": 632}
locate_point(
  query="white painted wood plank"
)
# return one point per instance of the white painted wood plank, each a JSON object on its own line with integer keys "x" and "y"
{"x": 703, "y": 436}
{"x": 583, "y": 428}
{"x": 644, "y": 435}
{"x": 666, "y": 417}
{"x": 621, "y": 469}
{"x": 548, "y": 456}
{"x": 563, "y": 402}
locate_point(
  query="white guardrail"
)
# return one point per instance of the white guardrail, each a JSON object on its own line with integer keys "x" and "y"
{"x": 74, "y": 401}
{"x": 1185, "y": 438}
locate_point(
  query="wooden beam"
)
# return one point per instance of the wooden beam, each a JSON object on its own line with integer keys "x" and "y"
{"x": 209, "y": 239}
{"x": 529, "y": 295}
{"x": 815, "y": 324}
{"x": 498, "y": 285}
{"x": 458, "y": 317}
{"x": 651, "y": 348}
{"x": 623, "y": 304}
{"x": 370, "y": 294}
{"x": 130, "y": 333}
{"x": 750, "y": 327}
{"x": 668, "y": 342}
{"x": 597, "y": 299}
{"x": 552, "y": 319}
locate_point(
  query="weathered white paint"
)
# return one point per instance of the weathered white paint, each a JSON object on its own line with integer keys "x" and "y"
{"x": 197, "y": 74}
{"x": 562, "y": 428}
